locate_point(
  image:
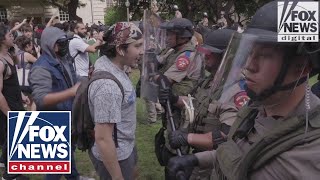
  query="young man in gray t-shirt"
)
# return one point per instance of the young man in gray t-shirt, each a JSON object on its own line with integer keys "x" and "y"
{"x": 124, "y": 46}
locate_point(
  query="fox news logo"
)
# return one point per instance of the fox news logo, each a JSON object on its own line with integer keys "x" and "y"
{"x": 39, "y": 142}
{"x": 298, "y": 21}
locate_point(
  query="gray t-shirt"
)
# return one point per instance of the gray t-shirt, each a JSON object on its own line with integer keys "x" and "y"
{"x": 106, "y": 106}
{"x": 82, "y": 59}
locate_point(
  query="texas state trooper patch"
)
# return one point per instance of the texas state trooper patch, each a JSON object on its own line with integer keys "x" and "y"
{"x": 182, "y": 63}
{"x": 241, "y": 99}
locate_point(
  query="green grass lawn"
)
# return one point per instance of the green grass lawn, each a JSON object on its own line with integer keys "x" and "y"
{"x": 148, "y": 166}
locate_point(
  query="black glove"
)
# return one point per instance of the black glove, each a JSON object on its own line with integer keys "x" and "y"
{"x": 165, "y": 95}
{"x": 163, "y": 82}
{"x": 182, "y": 166}
{"x": 177, "y": 139}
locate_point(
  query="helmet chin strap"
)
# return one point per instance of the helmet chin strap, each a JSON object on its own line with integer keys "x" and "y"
{"x": 179, "y": 44}
{"x": 277, "y": 86}
{"x": 268, "y": 92}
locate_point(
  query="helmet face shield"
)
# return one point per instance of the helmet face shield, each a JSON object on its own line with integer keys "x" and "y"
{"x": 253, "y": 63}
{"x": 181, "y": 26}
{"x": 154, "y": 41}
{"x": 211, "y": 57}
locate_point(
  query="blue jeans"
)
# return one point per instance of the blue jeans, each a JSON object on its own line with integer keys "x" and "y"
{"x": 126, "y": 165}
{"x": 74, "y": 172}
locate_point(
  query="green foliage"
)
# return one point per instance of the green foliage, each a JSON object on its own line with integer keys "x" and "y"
{"x": 248, "y": 8}
{"x": 115, "y": 14}
{"x": 148, "y": 166}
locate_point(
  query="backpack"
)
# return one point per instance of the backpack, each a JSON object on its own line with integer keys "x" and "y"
{"x": 82, "y": 122}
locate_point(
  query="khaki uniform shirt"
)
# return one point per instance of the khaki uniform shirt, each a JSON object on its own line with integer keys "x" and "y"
{"x": 185, "y": 67}
{"x": 300, "y": 163}
{"x": 230, "y": 102}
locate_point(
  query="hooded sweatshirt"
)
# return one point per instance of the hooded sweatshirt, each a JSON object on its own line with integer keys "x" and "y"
{"x": 40, "y": 77}
{"x": 49, "y": 37}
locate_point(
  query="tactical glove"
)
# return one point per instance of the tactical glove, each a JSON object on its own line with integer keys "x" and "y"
{"x": 184, "y": 164}
{"x": 177, "y": 139}
{"x": 165, "y": 95}
{"x": 163, "y": 81}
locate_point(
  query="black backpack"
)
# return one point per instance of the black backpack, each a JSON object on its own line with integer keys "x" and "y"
{"x": 82, "y": 122}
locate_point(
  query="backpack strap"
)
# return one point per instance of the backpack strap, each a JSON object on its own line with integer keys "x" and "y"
{"x": 108, "y": 75}
{"x": 23, "y": 69}
{"x": 5, "y": 63}
{"x": 73, "y": 58}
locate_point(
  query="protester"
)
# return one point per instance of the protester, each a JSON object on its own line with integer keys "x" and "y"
{"x": 113, "y": 109}
{"x": 11, "y": 97}
{"x": 94, "y": 35}
{"x": 25, "y": 61}
{"x": 53, "y": 82}
{"x": 79, "y": 50}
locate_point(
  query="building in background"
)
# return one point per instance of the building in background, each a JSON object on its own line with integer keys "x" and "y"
{"x": 92, "y": 11}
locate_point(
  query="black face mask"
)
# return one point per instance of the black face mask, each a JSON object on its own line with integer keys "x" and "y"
{"x": 63, "y": 48}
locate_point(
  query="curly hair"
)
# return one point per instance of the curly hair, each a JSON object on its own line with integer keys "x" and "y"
{"x": 3, "y": 31}
{"x": 22, "y": 42}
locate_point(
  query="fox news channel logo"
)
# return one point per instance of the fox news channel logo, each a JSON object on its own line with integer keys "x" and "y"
{"x": 39, "y": 142}
{"x": 298, "y": 21}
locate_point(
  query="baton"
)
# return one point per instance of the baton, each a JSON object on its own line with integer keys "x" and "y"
{"x": 173, "y": 127}
{"x": 180, "y": 174}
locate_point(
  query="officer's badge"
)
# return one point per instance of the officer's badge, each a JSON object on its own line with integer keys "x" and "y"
{"x": 182, "y": 63}
{"x": 241, "y": 99}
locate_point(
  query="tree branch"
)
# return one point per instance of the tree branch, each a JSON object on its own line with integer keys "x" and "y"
{"x": 55, "y": 3}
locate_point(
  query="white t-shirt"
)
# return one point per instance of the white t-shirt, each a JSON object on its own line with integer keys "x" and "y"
{"x": 82, "y": 59}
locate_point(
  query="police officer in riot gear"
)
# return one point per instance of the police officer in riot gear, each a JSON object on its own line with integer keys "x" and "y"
{"x": 177, "y": 12}
{"x": 205, "y": 21}
{"x": 278, "y": 131}
{"x": 180, "y": 71}
{"x": 212, "y": 119}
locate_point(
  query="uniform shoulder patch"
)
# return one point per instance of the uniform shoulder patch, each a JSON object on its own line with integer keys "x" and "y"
{"x": 182, "y": 63}
{"x": 241, "y": 99}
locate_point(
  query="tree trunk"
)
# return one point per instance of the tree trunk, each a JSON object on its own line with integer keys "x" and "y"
{"x": 72, "y": 10}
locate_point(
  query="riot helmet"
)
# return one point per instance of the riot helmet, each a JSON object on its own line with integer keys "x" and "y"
{"x": 214, "y": 47}
{"x": 175, "y": 7}
{"x": 181, "y": 26}
{"x": 179, "y": 31}
{"x": 265, "y": 64}
{"x": 205, "y": 14}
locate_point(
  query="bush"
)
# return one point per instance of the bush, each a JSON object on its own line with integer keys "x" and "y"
{"x": 115, "y": 14}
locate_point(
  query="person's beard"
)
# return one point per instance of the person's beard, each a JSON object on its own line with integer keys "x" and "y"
{"x": 82, "y": 35}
